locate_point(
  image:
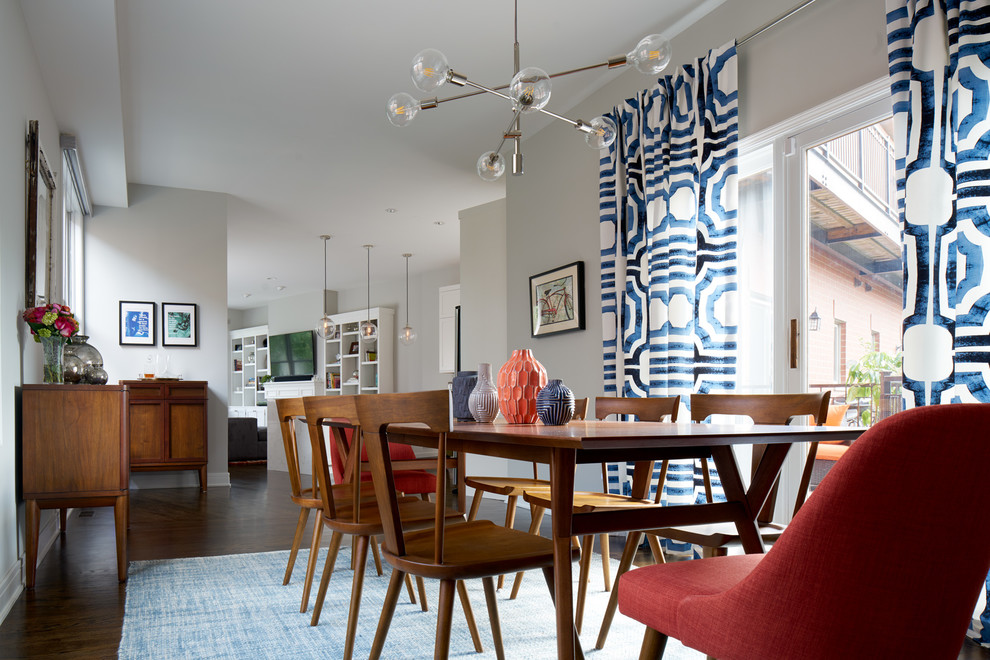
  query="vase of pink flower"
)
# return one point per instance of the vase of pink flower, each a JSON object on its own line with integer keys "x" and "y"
{"x": 51, "y": 325}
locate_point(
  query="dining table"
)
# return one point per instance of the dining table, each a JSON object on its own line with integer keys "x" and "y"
{"x": 564, "y": 447}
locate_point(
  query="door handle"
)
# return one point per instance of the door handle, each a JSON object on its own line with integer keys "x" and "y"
{"x": 794, "y": 343}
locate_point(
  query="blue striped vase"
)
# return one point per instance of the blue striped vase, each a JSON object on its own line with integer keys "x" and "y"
{"x": 555, "y": 403}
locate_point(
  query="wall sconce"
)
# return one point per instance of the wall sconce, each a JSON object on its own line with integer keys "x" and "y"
{"x": 814, "y": 321}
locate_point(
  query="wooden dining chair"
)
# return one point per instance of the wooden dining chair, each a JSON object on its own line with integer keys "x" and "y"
{"x": 845, "y": 579}
{"x": 451, "y": 551}
{"x": 716, "y": 538}
{"x": 308, "y": 498}
{"x": 652, "y": 409}
{"x": 355, "y": 515}
{"x": 513, "y": 488}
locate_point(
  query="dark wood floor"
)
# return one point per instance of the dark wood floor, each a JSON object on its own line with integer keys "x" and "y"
{"x": 77, "y": 607}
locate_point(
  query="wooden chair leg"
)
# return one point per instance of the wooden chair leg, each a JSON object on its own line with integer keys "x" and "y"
{"x": 445, "y": 609}
{"x": 548, "y": 578}
{"x": 606, "y": 567}
{"x": 653, "y": 645}
{"x": 314, "y": 552}
{"x": 422, "y": 593}
{"x": 388, "y": 609}
{"x": 296, "y": 540}
{"x": 490, "y": 599}
{"x": 656, "y": 548}
{"x": 475, "y": 504}
{"x": 537, "y": 513}
{"x": 321, "y": 593}
{"x": 469, "y": 616}
{"x": 356, "y": 588}
{"x": 409, "y": 588}
{"x": 510, "y": 520}
{"x": 633, "y": 539}
{"x": 587, "y": 549}
{"x": 377, "y": 556}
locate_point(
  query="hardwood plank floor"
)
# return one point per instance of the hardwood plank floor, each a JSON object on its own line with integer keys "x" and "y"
{"x": 77, "y": 607}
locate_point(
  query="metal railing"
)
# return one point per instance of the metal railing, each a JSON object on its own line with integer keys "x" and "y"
{"x": 888, "y": 403}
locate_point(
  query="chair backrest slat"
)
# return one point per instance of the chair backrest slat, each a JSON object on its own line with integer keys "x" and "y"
{"x": 651, "y": 409}
{"x": 376, "y": 412}
{"x": 768, "y": 409}
{"x": 341, "y": 409}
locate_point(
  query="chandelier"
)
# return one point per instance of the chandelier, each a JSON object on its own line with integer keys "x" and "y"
{"x": 527, "y": 92}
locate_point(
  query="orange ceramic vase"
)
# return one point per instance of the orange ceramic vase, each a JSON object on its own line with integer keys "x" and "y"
{"x": 519, "y": 381}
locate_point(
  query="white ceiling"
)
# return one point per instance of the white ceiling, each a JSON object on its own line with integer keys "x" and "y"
{"x": 281, "y": 106}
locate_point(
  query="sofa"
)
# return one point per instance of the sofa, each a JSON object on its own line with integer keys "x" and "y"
{"x": 245, "y": 441}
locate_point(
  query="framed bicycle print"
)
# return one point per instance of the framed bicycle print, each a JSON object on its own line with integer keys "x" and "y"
{"x": 556, "y": 299}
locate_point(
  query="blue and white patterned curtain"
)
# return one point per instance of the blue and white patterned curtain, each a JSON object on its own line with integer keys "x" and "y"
{"x": 668, "y": 213}
{"x": 938, "y": 53}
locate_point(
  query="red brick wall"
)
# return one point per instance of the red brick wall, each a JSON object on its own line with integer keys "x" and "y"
{"x": 833, "y": 292}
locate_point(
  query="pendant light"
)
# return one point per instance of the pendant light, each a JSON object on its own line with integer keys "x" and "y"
{"x": 325, "y": 327}
{"x": 407, "y": 335}
{"x": 369, "y": 331}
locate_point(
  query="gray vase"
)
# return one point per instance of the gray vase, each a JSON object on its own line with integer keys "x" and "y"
{"x": 483, "y": 401}
{"x": 461, "y": 386}
{"x": 82, "y": 363}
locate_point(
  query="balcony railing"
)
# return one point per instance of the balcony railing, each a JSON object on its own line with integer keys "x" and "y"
{"x": 888, "y": 403}
{"x": 866, "y": 157}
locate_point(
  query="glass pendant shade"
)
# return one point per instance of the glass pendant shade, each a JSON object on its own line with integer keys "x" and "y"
{"x": 530, "y": 89}
{"x": 491, "y": 166}
{"x": 401, "y": 109}
{"x": 603, "y": 135}
{"x": 369, "y": 331}
{"x": 429, "y": 70}
{"x": 326, "y": 328}
{"x": 651, "y": 55}
{"x": 407, "y": 335}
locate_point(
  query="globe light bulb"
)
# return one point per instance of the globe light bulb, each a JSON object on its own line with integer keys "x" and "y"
{"x": 530, "y": 89}
{"x": 369, "y": 331}
{"x": 401, "y": 109}
{"x": 326, "y": 328}
{"x": 651, "y": 55}
{"x": 407, "y": 335}
{"x": 603, "y": 133}
{"x": 491, "y": 166}
{"x": 429, "y": 70}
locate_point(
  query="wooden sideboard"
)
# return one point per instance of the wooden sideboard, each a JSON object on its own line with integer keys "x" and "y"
{"x": 74, "y": 454}
{"x": 167, "y": 425}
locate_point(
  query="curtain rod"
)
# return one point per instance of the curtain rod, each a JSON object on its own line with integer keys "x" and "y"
{"x": 783, "y": 17}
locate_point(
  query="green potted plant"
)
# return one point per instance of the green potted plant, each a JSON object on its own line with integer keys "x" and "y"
{"x": 866, "y": 375}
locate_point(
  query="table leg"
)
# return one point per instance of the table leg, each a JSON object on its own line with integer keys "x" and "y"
{"x": 562, "y": 467}
{"x": 32, "y": 515}
{"x": 120, "y": 508}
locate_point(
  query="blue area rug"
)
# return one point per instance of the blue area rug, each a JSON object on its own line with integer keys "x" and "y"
{"x": 235, "y": 606}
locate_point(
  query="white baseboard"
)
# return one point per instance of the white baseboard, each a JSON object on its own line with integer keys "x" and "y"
{"x": 218, "y": 479}
{"x": 14, "y": 579}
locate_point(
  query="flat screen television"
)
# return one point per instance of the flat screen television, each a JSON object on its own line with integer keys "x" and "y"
{"x": 292, "y": 355}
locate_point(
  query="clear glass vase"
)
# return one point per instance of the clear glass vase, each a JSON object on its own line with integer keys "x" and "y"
{"x": 51, "y": 350}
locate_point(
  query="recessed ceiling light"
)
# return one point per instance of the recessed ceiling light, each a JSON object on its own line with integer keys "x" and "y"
{"x": 280, "y": 288}
{"x": 247, "y": 295}
{"x": 391, "y": 210}
{"x": 438, "y": 222}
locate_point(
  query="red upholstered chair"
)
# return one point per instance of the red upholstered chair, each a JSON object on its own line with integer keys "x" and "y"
{"x": 845, "y": 579}
{"x": 408, "y": 482}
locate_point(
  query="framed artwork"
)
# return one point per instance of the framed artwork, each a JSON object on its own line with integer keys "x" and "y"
{"x": 137, "y": 323}
{"x": 40, "y": 200}
{"x": 354, "y": 348}
{"x": 179, "y": 324}
{"x": 556, "y": 299}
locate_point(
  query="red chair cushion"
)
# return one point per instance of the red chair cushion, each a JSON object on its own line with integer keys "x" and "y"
{"x": 410, "y": 482}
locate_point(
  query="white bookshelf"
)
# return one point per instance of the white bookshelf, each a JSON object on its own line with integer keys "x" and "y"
{"x": 371, "y": 368}
{"x": 248, "y": 365}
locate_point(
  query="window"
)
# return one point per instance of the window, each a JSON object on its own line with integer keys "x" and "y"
{"x": 839, "y": 352}
{"x": 72, "y": 245}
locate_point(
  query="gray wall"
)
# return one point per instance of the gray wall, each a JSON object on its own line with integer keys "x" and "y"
{"x": 23, "y": 98}
{"x": 169, "y": 245}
